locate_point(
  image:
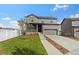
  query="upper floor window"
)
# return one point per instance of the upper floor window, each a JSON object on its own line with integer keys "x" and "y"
{"x": 42, "y": 21}
{"x": 32, "y": 20}
{"x": 51, "y": 21}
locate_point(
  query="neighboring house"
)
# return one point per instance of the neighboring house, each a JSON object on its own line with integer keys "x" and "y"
{"x": 70, "y": 27}
{"x": 43, "y": 24}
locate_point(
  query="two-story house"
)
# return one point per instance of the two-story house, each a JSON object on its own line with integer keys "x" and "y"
{"x": 43, "y": 24}
{"x": 70, "y": 27}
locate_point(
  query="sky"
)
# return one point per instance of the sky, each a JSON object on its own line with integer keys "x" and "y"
{"x": 10, "y": 13}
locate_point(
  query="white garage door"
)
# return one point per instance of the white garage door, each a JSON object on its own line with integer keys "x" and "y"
{"x": 50, "y": 32}
{"x": 77, "y": 34}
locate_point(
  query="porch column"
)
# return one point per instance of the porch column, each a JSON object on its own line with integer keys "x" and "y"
{"x": 37, "y": 28}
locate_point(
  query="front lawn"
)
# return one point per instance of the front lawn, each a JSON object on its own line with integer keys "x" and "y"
{"x": 23, "y": 45}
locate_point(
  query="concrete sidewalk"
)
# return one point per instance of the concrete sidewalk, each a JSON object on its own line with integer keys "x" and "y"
{"x": 51, "y": 50}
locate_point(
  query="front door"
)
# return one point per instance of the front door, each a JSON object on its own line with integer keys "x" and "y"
{"x": 39, "y": 28}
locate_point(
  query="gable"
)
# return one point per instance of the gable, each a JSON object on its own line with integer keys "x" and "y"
{"x": 31, "y": 19}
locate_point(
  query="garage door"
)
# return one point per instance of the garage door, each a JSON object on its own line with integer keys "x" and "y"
{"x": 77, "y": 33}
{"x": 50, "y": 32}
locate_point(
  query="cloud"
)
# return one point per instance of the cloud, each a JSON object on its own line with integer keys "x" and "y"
{"x": 14, "y": 24}
{"x": 6, "y": 18}
{"x": 74, "y": 16}
{"x": 58, "y": 6}
{"x": 25, "y": 14}
{"x": 1, "y": 25}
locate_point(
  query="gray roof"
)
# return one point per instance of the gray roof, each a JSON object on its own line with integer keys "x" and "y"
{"x": 45, "y": 23}
{"x": 42, "y": 17}
{"x": 73, "y": 19}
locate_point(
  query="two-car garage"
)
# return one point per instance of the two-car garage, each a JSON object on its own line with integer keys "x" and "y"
{"x": 50, "y": 29}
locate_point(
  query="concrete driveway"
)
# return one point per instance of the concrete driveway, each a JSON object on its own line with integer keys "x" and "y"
{"x": 65, "y": 42}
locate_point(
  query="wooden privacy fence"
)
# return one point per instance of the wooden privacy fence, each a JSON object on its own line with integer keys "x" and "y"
{"x": 7, "y": 33}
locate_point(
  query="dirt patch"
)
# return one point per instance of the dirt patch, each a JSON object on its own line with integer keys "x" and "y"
{"x": 1, "y": 51}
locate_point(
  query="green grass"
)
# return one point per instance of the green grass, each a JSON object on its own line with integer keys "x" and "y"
{"x": 23, "y": 45}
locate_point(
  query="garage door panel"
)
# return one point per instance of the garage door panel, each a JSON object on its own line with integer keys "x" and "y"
{"x": 77, "y": 34}
{"x": 50, "y": 32}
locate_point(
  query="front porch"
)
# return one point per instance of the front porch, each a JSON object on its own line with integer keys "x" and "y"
{"x": 35, "y": 28}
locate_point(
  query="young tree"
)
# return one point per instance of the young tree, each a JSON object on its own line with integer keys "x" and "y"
{"x": 22, "y": 25}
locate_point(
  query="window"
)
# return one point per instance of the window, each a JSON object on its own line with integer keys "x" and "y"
{"x": 31, "y": 20}
{"x": 42, "y": 21}
{"x": 77, "y": 30}
{"x": 51, "y": 21}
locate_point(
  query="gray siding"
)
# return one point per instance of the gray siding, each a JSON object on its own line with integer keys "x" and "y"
{"x": 50, "y": 26}
{"x": 32, "y": 19}
{"x": 75, "y": 23}
{"x": 66, "y": 28}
